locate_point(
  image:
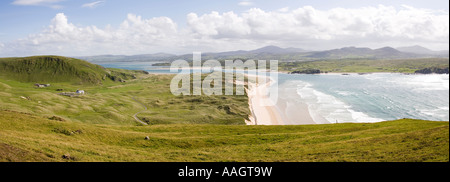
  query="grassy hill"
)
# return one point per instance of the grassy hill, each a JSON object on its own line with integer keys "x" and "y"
{"x": 38, "y": 124}
{"x": 27, "y": 137}
{"x": 112, "y": 102}
{"x": 46, "y": 69}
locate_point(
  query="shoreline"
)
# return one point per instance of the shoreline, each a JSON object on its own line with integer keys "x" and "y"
{"x": 286, "y": 111}
{"x": 266, "y": 114}
{"x": 281, "y": 113}
{"x": 295, "y": 112}
{"x": 361, "y": 73}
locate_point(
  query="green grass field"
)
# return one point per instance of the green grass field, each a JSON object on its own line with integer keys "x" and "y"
{"x": 25, "y": 137}
{"x": 108, "y": 99}
{"x": 367, "y": 66}
{"x": 37, "y": 124}
{"x": 112, "y": 103}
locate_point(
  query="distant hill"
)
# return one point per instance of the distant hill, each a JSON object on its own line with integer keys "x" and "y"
{"x": 133, "y": 58}
{"x": 416, "y": 49}
{"x": 284, "y": 54}
{"x": 422, "y": 50}
{"x": 341, "y": 53}
{"x": 275, "y": 50}
{"x": 46, "y": 69}
{"x": 263, "y": 50}
{"x": 363, "y": 53}
{"x": 267, "y": 53}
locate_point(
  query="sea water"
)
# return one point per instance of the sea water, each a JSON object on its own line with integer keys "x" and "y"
{"x": 357, "y": 98}
{"x": 147, "y": 66}
{"x": 371, "y": 97}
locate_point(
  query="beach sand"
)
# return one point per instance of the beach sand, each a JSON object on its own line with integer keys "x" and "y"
{"x": 294, "y": 111}
{"x": 262, "y": 114}
{"x": 283, "y": 112}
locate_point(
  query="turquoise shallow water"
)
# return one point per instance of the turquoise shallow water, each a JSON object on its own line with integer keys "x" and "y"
{"x": 136, "y": 66}
{"x": 358, "y": 98}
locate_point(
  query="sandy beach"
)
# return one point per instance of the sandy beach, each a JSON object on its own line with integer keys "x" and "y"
{"x": 262, "y": 114}
{"x": 280, "y": 113}
{"x": 294, "y": 111}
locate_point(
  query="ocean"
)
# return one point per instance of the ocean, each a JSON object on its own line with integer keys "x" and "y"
{"x": 355, "y": 98}
{"x": 372, "y": 97}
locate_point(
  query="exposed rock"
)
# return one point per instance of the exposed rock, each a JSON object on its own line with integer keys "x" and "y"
{"x": 25, "y": 98}
{"x": 66, "y": 156}
{"x": 307, "y": 71}
{"x": 433, "y": 70}
{"x": 56, "y": 118}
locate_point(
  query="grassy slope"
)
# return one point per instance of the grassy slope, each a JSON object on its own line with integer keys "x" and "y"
{"x": 112, "y": 103}
{"x": 106, "y": 101}
{"x": 43, "y": 69}
{"x": 367, "y": 66}
{"x": 99, "y": 127}
{"x": 25, "y": 137}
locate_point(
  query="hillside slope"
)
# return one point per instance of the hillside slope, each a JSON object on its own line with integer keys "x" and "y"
{"x": 25, "y": 137}
{"x": 44, "y": 69}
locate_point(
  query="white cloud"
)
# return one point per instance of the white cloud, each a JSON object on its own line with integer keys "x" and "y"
{"x": 245, "y": 3}
{"x": 34, "y": 2}
{"x": 221, "y": 25}
{"x": 48, "y": 3}
{"x": 93, "y": 4}
{"x": 304, "y": 27}
{"x": 284, "y": 10}
{"x": 307, "y": 24}
{"x": 134, "y": 35}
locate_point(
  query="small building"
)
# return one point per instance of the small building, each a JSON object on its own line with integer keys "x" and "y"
{"x": 78, "y": 93}
{"x": 42, "y": 85}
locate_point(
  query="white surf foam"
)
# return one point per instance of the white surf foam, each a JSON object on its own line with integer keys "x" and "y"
{"x": 441, "y": 112}
{"x": 429, "y": 82}
{"x": 329, "y": 107}
{"x": 417, "y": 82}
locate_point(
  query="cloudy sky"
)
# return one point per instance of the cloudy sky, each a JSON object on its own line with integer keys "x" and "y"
{"x": 96, "y": 27}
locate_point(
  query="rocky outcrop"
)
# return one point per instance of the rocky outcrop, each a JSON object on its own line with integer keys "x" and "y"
{"x": 433, "y": 70}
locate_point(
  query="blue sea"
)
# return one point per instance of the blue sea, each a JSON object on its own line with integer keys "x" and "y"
{"x": 372, "y": 97}
{"x": 356, "y": 98}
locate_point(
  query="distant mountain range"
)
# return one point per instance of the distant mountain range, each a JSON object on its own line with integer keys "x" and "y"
{"x": 284, "y": 54}
{"x": 133, "y": 58}
{"x": 421, "y": 50}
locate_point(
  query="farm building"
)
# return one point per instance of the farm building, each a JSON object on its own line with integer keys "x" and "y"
{"x": 41, "y": 85}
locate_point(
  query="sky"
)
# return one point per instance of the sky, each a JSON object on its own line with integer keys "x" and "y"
{"x": 129, "y": 27}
